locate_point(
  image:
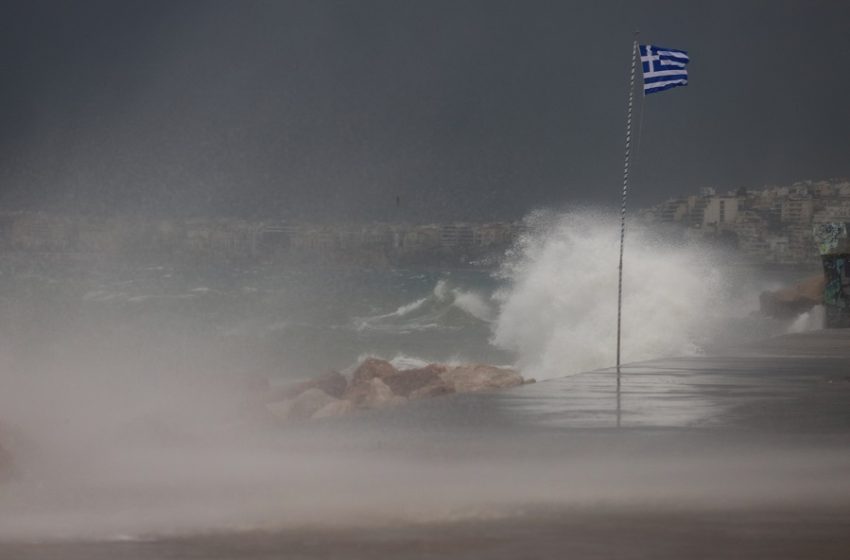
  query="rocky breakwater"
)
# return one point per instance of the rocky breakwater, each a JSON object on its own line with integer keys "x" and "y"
{"x": 378, "y": 384}
{"x": 790, "y": 302}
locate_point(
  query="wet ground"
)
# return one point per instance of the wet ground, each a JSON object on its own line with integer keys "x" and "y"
{"x": 742, "y": 453}
{"x": 571, "y": 534}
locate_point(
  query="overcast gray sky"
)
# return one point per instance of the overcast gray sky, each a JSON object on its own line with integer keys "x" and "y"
{"x": 464, "y": 109}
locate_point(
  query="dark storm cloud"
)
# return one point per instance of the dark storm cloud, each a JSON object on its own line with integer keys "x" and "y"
{"x": 329, "y": 110}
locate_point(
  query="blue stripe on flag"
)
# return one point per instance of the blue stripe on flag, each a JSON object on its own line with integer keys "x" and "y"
{"x": 666, "y": 78}
{"x": 656, "y": 89}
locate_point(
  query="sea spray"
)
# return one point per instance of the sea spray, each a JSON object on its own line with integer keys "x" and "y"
{"x": 559, "y": 310}
{"x": 807, "y": 321}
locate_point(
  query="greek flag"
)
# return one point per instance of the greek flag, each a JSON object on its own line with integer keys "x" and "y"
{"x": 663, "y": 68}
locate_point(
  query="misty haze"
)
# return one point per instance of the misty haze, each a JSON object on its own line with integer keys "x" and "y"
{"x": 340, "y": 279}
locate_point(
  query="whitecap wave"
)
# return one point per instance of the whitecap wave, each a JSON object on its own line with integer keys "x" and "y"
{"x": 474, "y": 304}
{"x": 446, "y": 308}
{"x": 405, "y": 309}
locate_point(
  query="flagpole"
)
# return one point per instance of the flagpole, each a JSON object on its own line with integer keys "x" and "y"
{"x": 626, "y": 165}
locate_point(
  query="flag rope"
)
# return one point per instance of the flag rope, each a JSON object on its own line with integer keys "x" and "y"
{"x": 626, "y": 164}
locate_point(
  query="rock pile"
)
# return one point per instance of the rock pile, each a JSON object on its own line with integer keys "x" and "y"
{"x": 790, "y": 302}
{"x": 378, "y": 384}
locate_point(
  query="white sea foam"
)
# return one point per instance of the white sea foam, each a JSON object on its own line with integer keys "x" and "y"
{"x": 403, "y": 361}
{"x": 441, "y": 290}
{"x": 408, "y": 308}
{"x": 399, "y": 361}
{"x": 474, "y": 304}
{"x": 559, "y": 312}
{"x": 809, "y": 321}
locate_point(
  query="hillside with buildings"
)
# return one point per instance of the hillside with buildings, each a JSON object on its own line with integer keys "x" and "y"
{"x": 231, "y": 239}
{"x": 771, "y": 225}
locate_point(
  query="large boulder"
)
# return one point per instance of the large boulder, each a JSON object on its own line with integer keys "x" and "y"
{"x": 377, "y": 384}
{"x": 333, "y": 383}
{"x": 336, "y": 408}
{"x": 790, "y": 302}
{"x": 308, "y": 403}
{"x": 372, "y": 394}
{"x": 467, "y": 379}
{"x": 372, "y": 368}
{"x": 407, "y": 381}
{"x": 302, "y": 407}
{"x": 437, "y": 389}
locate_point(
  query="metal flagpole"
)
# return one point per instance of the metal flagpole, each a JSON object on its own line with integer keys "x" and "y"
{"x": 626, "y": 165}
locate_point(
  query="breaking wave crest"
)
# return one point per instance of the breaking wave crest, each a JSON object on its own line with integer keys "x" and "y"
{"x": 559, "y": 310}
{"x": 402, "y": 311}
{"x": 446, "y": 307}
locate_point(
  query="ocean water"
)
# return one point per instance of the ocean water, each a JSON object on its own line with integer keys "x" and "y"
{"x": 550, "y": 308}
{"x": 122, "y": 382}
{"x": 269, "y": 320}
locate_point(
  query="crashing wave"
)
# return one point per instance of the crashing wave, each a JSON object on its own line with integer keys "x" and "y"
{"x": 559, "y": 312}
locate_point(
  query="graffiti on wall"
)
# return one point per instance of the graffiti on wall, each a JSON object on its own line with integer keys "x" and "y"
{"x": 836, "y": 294}
{"x": 837, "y": 283}
{"x": 834, "y": 247}
{"x": 828, "y": 236}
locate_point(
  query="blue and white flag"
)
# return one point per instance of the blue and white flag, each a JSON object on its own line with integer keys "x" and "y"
{"x": 663, "y": 68}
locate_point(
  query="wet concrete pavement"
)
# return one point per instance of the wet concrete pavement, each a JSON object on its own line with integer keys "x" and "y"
{"x": 742, "y": 453}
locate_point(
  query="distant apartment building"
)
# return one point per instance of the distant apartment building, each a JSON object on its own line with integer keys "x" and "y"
{"x": 720, "y": 212}
{"x": 421, "y": 238}
{"x": 778, "y": 250}
{"x": 488, "y": 235}
{"x": 273, "y": 238}
{"x": 221, "y": 238}
{"x": 837, "y": 212}
{"x": 801, "y": 243}
{"x": 770, "y": 225}
{"x": 797, "y": 209}
{"x": 41, "y": 232}
{"x": 751, "y": 229}
{"x": 457, "y": 235}
{"x": 230, "y": 238}
{"x": 672, "y": 211}
{"x": 316, "y": 239}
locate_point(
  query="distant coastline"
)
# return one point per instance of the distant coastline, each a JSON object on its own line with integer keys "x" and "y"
{"x": 767, "y": 227}
{"x": 230, "y": 239}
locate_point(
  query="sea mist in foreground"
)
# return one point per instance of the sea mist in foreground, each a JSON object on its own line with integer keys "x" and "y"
{"x": 124, "y": 422}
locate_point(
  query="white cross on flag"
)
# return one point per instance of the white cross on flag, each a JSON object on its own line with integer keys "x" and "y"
{"x": 663, "y": 68}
